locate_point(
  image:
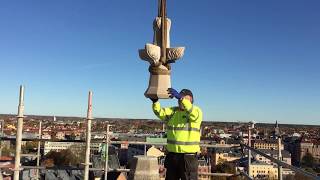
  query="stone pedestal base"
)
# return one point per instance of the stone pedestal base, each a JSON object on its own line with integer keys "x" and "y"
{"x": 159, "y": 84}
{"x": 144, "y": 168}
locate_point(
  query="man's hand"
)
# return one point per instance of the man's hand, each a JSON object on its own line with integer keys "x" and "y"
{"x": 174, "y": 93}
{"x": 154, "y": 99}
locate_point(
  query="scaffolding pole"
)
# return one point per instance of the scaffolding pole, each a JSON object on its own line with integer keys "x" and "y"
{"x": 88, "y": 137}
{"x": 280, "y": 159}
{"x": 38, "y": 152}
{"x": 106, "y": 153}
{"x": 19, "y": 134}
{"x": 2, "y": 126}
{"x": 249, "y": 151}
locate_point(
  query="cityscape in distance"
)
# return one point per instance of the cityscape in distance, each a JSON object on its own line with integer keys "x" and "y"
{"x": 65, "y": 135}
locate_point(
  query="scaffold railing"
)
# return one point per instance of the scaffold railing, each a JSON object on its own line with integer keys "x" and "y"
{"x": 243, "y": 146}
{"x": 88, "y": 140}
{"x": 116, "y": 142}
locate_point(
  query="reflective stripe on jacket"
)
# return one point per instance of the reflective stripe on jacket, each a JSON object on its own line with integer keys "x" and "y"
{"x": 183, "y": 127}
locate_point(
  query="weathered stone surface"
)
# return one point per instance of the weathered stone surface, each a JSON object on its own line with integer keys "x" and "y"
{"x": 157, "y": 31}
{"x": 144, "y": 168}
{"x": 151, "y": 53}
{"x": 159, "y": 84}
{"x": 175, "y": 53}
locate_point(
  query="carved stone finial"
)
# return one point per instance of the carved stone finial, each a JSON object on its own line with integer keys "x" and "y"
{"x": 160, "y": 55}
{"x": 157, "y": 31}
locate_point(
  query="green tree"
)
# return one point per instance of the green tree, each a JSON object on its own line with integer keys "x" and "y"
{"x": 62, "y": 158}
{"x": 308, "y": 160}
{"x": 8, "y": 151}
{"x": 79, "y": 152}
{"x": 299, "y": 176}
{"x": 81, "y": 125}
{"x": 48, "y": 163}
{"x": 289, "y": 177}
{"x": 144, "y": 127}
{"x": 225, "y": 167}
{"x": 29, "y": 147}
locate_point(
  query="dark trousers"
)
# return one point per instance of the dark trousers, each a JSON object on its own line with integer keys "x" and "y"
{"x": 181, "y": 166}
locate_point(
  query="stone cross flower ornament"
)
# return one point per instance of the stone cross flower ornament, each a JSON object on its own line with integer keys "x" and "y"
{"x": 159, "y": 54}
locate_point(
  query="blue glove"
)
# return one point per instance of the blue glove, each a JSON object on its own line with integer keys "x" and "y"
{"x": 174, "y": 93}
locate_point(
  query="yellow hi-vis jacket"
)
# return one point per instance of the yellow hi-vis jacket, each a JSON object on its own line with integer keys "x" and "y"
{"x": 183, "y": 127}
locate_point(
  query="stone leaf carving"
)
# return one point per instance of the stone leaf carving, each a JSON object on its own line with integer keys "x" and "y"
{"x": 157, "y": 31}
{"x": 151, "y": 53}
{"x": 175, "y": 53}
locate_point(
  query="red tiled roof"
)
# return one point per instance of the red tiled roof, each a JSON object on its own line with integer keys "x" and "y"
{"x": 7, "y": 166}
{"x": 6, "y": 158}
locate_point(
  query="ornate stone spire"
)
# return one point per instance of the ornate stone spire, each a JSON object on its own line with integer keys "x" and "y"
{"x": 276, "y": 130}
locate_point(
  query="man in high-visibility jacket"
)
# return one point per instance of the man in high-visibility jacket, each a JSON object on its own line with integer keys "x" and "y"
{"x": 183, "y": 135}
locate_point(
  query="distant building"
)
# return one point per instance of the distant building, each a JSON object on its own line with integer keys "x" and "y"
{"x": 46, "y": 136}
{"x": 220, "y": 155}
{"x": 292, "y": 144}
{"x": 286, "y": 156}
{"x": 276, "y": 132}
{"x": 224, "y": 135}
{"x": 60, "y": 135}
{"x": 97, "y": 135}
{"x": 267, "y": 144}
{"x": 204, "y": 167}
{"x": 296, "y": 135}
{"x": 262, "y": 170}
{"x": 229, "y": 142}
{"x": 310, "y": 147}
{"x": 58, "y": 146}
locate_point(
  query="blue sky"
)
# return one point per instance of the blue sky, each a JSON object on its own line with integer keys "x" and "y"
{"x": 244, "y": 60}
